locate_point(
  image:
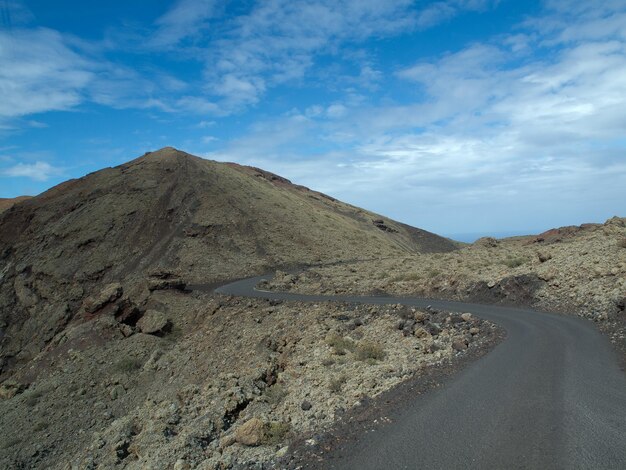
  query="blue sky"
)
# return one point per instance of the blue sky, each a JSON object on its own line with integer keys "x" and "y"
{"x": 457, "y": 116}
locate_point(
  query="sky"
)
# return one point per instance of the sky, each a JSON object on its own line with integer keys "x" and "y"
{"x": 462, "y": 117}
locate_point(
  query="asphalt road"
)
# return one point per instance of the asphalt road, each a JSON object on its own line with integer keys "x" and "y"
{"x": 550, "y": 396}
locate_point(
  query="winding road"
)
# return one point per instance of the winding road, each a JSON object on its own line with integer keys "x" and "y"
{"x": 550, "y": 396}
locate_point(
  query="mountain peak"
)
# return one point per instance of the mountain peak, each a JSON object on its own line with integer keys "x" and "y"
{"x": 166, "y": 152}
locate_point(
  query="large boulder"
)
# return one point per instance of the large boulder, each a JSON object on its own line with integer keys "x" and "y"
{"x": 164, "y": 280}
{"x": 153, "y": 323}
{"x": 250, "y": 433}
{"x": 109, "y": 294}
{"x": 459, "y": 345}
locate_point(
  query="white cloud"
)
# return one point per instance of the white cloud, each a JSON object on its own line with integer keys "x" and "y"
{"x": 438, "y": 12}
{"x": 39, "y": 72}
{"x": 197, "y": 105}
{"x": 39, "y": 171}
{"x": 239, "y": 90}
{"x": 335, "y": 111}
{"x": 280, "y": 40}
{"x": 503, "y": 140}
{"x": 534, "y": 116}
{"x": 185, "y": 19}
{"x": 264, "y": 45}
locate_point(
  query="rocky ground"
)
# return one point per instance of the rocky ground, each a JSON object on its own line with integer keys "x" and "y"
{"x": 162, "y": 378}
{"x": 163, "y": 213}
{"x": 107, "y": 361}
{"x": 574, "y": 270}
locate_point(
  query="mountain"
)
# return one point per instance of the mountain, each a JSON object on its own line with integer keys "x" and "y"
{"x": 169, "y": 218}
{"x": 95, "y": 319}
{"x": 8, "y": 203}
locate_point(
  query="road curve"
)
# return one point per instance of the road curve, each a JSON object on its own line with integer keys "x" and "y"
{"x": 551, "y": 396}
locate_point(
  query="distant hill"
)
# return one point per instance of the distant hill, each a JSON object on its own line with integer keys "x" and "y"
{"x": 8, "y": 203}
{"x": 170, "y": 215}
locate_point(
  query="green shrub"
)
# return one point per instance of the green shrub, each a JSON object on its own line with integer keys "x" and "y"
{"x": 275, "y": 394}
{"x": 622, "y": 243}
{"x": 12, "y": 442}
{"x": 32, "y": 398}
{"x": 512, "y": 262}
{"x": 407, "y": 277}
{"x": 431, "y": 273}
{"x": 175, "y": 334}
{"x": 275, "y": 433}
{"x": 41, "y": 426}
{"x": 340, "y": 344}
{"x": 128, "y": 364}
{"x": 367, "y": 350}
{"x": 336, "y": 384}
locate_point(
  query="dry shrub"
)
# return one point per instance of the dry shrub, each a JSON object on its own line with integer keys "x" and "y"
{"x": 275, "y": 432}
{"x": 369, "y": 351}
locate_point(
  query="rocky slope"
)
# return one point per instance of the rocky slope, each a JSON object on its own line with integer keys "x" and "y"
{"x": 165, "y": 215}
{"x": 575, "y": 270}
{"x": 230, "y": 383}
{"x": 107, "y": 360}
{"x": 8, "y": 203}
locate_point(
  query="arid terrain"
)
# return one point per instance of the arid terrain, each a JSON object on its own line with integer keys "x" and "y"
{"x": 116, "y": 353}
{"x": 572, "y": 270}
{"x": 162, "y": 220}
{"x": 108, "y": 360}
{"x": 8, "y": 203}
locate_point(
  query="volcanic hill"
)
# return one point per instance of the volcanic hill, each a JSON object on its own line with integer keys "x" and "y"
{"x": 169, "y": 218}
{"x": 8, "y": 203}
{"x": 107, "y": 360}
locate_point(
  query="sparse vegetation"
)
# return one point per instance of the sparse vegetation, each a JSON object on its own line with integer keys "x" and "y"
{"x": 329, "y": 361}
{"x": 275, "y": 394}
{"x": 514, "y": 262}
{"x": 276, "y": 432}
{"x": 415, "y": 276}
{"x": 41, "y": 426}
{"x": 432, "y": 273}
{"x": 336, "y": 383}
{"x": 10, "y": 443}
{"x": 366, "y": 351}
{"x": 340, "y": 344}
{"x": 174, "y": 334}
{"x": 33, "y": 397}
{"x": 128, "y": 365}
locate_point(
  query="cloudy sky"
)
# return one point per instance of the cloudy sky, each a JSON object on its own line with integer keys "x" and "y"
{"x": 458, "y": 116}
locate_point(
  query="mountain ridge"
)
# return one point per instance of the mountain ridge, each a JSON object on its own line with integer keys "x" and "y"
{"x": 169, "y": 215}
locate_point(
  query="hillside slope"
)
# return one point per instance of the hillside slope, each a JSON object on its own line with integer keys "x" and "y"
{"x": 574, "y": 270}
{"x": 10, "y": 202}
{"x": 107, "y": 361}
{"x": 165, "y": 216}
